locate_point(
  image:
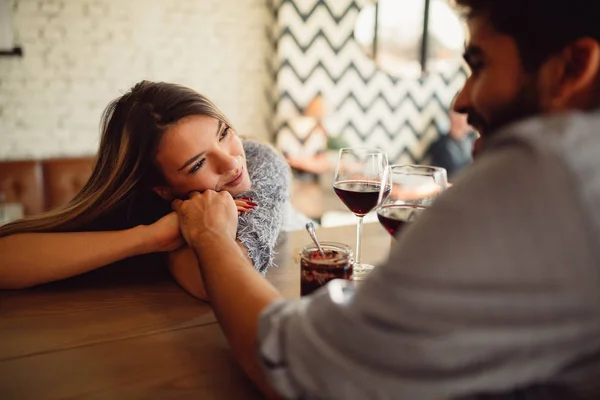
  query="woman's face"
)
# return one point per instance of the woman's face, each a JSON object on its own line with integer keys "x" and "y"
{"x": 200, "y": 153}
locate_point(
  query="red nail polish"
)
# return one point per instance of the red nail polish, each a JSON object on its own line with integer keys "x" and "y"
{"x": 252, "y": 203}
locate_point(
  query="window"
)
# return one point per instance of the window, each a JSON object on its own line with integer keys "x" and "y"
{"x": 409, "y": 37}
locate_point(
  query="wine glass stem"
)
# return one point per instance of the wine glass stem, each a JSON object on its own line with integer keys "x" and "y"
{"x": 358, "y": 237}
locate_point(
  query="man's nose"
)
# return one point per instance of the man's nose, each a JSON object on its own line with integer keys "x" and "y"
{"x": 461, "y": 103}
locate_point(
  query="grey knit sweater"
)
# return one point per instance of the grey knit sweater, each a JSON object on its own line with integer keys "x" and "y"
{"x": 270, "y": 177}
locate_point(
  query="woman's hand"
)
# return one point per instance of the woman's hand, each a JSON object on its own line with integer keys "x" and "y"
{"x": 164, "y": 234}
{"x": 245, "y": 204}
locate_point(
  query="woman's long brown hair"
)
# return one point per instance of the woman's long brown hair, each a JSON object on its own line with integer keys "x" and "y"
{"x": 131, "y": 127}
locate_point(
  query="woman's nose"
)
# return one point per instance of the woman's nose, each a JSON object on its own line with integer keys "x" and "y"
{"x": 226, "y": 162}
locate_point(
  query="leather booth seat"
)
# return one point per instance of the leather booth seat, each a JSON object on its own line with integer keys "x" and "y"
{"x": 41, "y": 185}
{"x": 64, "y": 178}
{"x": 21, "y": 182}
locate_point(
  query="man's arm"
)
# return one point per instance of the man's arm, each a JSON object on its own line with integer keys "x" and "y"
{"x": 237, "y": 292}
{"x": 184, "y": 267}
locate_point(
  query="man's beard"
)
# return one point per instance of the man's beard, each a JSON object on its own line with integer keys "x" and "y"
{"x": 525, "y": 104}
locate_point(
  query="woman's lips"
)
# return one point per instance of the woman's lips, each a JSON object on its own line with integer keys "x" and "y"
{"x": 237, "y": 180}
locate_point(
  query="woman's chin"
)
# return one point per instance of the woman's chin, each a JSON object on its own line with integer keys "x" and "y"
{"x": 241, "y": 188}
{"x": 244, "y": 189}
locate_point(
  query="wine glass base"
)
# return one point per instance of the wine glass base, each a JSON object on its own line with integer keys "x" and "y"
{"x": 361, "y": 271}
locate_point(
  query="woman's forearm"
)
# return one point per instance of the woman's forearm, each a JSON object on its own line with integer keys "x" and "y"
{"x": 184, "y": 267}
{"x": 30, "y": 259}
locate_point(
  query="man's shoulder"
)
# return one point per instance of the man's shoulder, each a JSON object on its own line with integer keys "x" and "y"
{"x": 568, "y": 142}
{"x": 572, "y": 137}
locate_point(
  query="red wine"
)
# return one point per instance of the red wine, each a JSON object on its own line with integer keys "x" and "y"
{"x": 316, "y": 271}
{"x": 393, "y": 217}
{"x": 359, "y": 196}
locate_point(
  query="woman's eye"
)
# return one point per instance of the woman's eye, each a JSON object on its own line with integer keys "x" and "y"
{"x": 196, "y": 167}
{"x": 224, "y": 134}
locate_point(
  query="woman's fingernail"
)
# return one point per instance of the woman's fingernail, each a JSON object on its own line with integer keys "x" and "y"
{"x": 252, "y": 203}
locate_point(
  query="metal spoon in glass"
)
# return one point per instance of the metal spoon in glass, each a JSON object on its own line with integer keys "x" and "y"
{"x": 310, "y": 227}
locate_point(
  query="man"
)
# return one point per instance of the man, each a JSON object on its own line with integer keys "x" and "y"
{"x": 452, "y": 151}
{"x": 497, "y": 286}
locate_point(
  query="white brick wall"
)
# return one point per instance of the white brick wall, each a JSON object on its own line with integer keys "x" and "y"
{"x": 80, "y": 54}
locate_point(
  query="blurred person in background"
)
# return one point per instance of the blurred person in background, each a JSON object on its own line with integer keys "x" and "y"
{"x": 453, "y": 150}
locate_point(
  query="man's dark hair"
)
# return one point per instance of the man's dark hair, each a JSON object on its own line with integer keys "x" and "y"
{"x": 540, "y": 28}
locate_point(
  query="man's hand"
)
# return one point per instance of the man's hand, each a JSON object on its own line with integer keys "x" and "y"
{"x": 209, "y": 214}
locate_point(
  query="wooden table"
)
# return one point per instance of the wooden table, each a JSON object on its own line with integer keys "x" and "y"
{"x": 129, "y": 332}
{"x": 313, "y": 199}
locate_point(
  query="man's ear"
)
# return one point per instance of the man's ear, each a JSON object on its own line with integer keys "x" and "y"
{"x": 164, "y": 192}
{"x": 574, "y": 73}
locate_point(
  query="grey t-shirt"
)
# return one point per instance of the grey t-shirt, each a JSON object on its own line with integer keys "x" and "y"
{"x": 496, "y": 286}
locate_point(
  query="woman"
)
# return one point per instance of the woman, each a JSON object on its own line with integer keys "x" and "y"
{"x": 159, "y": 142}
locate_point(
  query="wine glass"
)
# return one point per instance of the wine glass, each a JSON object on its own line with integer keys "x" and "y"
{"x": 406, "y": 191}
{"x": 357, "y": 181}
